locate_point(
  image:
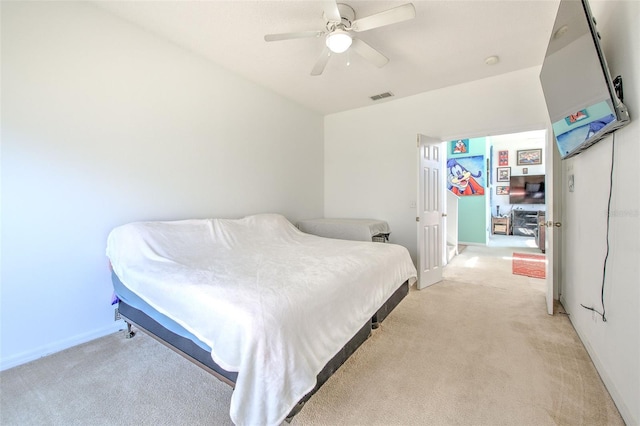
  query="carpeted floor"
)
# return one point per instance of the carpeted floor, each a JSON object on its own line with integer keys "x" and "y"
{"x": 475, "y": 349}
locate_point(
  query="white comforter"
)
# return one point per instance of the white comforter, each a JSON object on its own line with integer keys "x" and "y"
{"x": 274, "y": 303}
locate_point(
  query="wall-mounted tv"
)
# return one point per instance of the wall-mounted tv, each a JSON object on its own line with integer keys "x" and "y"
{"x": 583, "y": 103}
{"x": 527, "y": 189}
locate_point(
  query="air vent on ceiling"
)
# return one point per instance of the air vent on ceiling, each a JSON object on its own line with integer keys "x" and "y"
{"x": 381, "y": 96}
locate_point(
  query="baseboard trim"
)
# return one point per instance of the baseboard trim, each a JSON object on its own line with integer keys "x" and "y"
{"x": 42, "y": 351}
{"x": 624, "y": 410}
{"x": 564, "y": 304}
{"x": 464, "y": 243}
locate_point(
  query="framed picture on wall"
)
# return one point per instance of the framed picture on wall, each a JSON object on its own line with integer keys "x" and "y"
{"x": 460, "y": 146}
{"x": 503, "y": 174}
{"x": 529, "y": 157}
{"x": 503, "y": 158}
{"x": 466, "y": 176}
{"x": 525, "y": 170}
{"x": 502, "y": 190}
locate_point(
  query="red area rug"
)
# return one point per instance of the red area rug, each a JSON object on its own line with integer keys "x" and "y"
{"x": 530, "y": 265}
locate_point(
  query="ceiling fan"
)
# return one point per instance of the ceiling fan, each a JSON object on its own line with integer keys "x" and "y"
{"x": 340, "y": 23}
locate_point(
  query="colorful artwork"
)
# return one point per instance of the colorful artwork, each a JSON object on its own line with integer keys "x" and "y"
{"x": 529, "y": 157}
{"x": 574, "y": 118}
{"x": 465, "y": 175}
{"x": 503, "y": 158}
{"x": 504, "y": 174}
{"x": 572, "y": 131}
{"x": 502, "y": 190}
{"x": 460, "y": 146}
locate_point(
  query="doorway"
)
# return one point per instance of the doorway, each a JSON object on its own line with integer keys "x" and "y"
{"x": 479, "y": 171}
{"x": 517, "y": 202}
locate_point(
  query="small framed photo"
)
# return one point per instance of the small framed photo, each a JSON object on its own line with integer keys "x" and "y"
{"x": 503, "y": 158}
{"x": 502, "y": 190}
{"x": 529, "y": 157}
{"x": 503, "y": 174}
{"x": 460, "y": 146}
{"x": 525, "y": 170}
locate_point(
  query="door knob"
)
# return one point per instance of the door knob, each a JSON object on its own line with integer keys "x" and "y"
{"x": 550, "y": 224}
{"x": 444, "y": 215}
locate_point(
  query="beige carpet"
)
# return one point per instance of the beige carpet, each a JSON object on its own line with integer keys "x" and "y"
{"x": 476, "y": 349}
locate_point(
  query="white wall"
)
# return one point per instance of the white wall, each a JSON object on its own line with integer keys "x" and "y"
{"x": 371, "y": 153}
{"x": 614, "y": 345}
{"x": 102, "y": 124}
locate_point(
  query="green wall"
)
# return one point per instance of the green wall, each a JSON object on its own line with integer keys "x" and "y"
{"x": 472, "y": 209}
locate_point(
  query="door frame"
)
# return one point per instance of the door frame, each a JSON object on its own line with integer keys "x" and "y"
{"x": 553, "y": 206}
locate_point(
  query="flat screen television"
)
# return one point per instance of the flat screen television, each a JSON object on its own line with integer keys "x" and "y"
{"x": 528, "y": 189}
{"x": 583, "y": 103}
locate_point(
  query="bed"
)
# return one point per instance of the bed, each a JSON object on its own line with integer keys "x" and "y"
{"x": 347, "y": 229}
{"x": 265, "y": 307}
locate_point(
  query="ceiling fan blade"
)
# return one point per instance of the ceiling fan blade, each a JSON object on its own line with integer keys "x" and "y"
{"x": 369, "y": 53}
{"x": 289, "y": 36}
{"x": 322, "y": 62}
{"x": 331, "y": 11}
{"x": 388, "y": 17}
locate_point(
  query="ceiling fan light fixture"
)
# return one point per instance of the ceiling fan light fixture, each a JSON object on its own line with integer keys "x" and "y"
{"x": 338, "y": 41}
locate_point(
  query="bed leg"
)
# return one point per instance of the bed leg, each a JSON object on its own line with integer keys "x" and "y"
{"x": 130, "y": 333}
{"x": 374, "y": 321}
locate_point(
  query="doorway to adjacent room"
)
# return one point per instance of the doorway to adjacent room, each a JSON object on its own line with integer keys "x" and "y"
{"x": 502, "y": 186}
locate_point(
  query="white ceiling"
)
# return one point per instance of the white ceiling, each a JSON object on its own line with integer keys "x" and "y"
{"x": 446, "y": 44}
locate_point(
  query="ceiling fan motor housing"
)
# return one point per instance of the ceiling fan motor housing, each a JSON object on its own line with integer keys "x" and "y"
{"x": 347, "y": 15}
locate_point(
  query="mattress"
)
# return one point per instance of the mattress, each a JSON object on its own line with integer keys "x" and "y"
{"x": 272, "y": 303}
{"x": 136, "y": 302}
{"x": 133, "y": 301}
{"x": 175, "y": 341}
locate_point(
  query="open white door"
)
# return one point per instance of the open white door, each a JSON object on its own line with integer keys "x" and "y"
{"x": 552, "y": 212}
{"x": 430, "y": 211}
